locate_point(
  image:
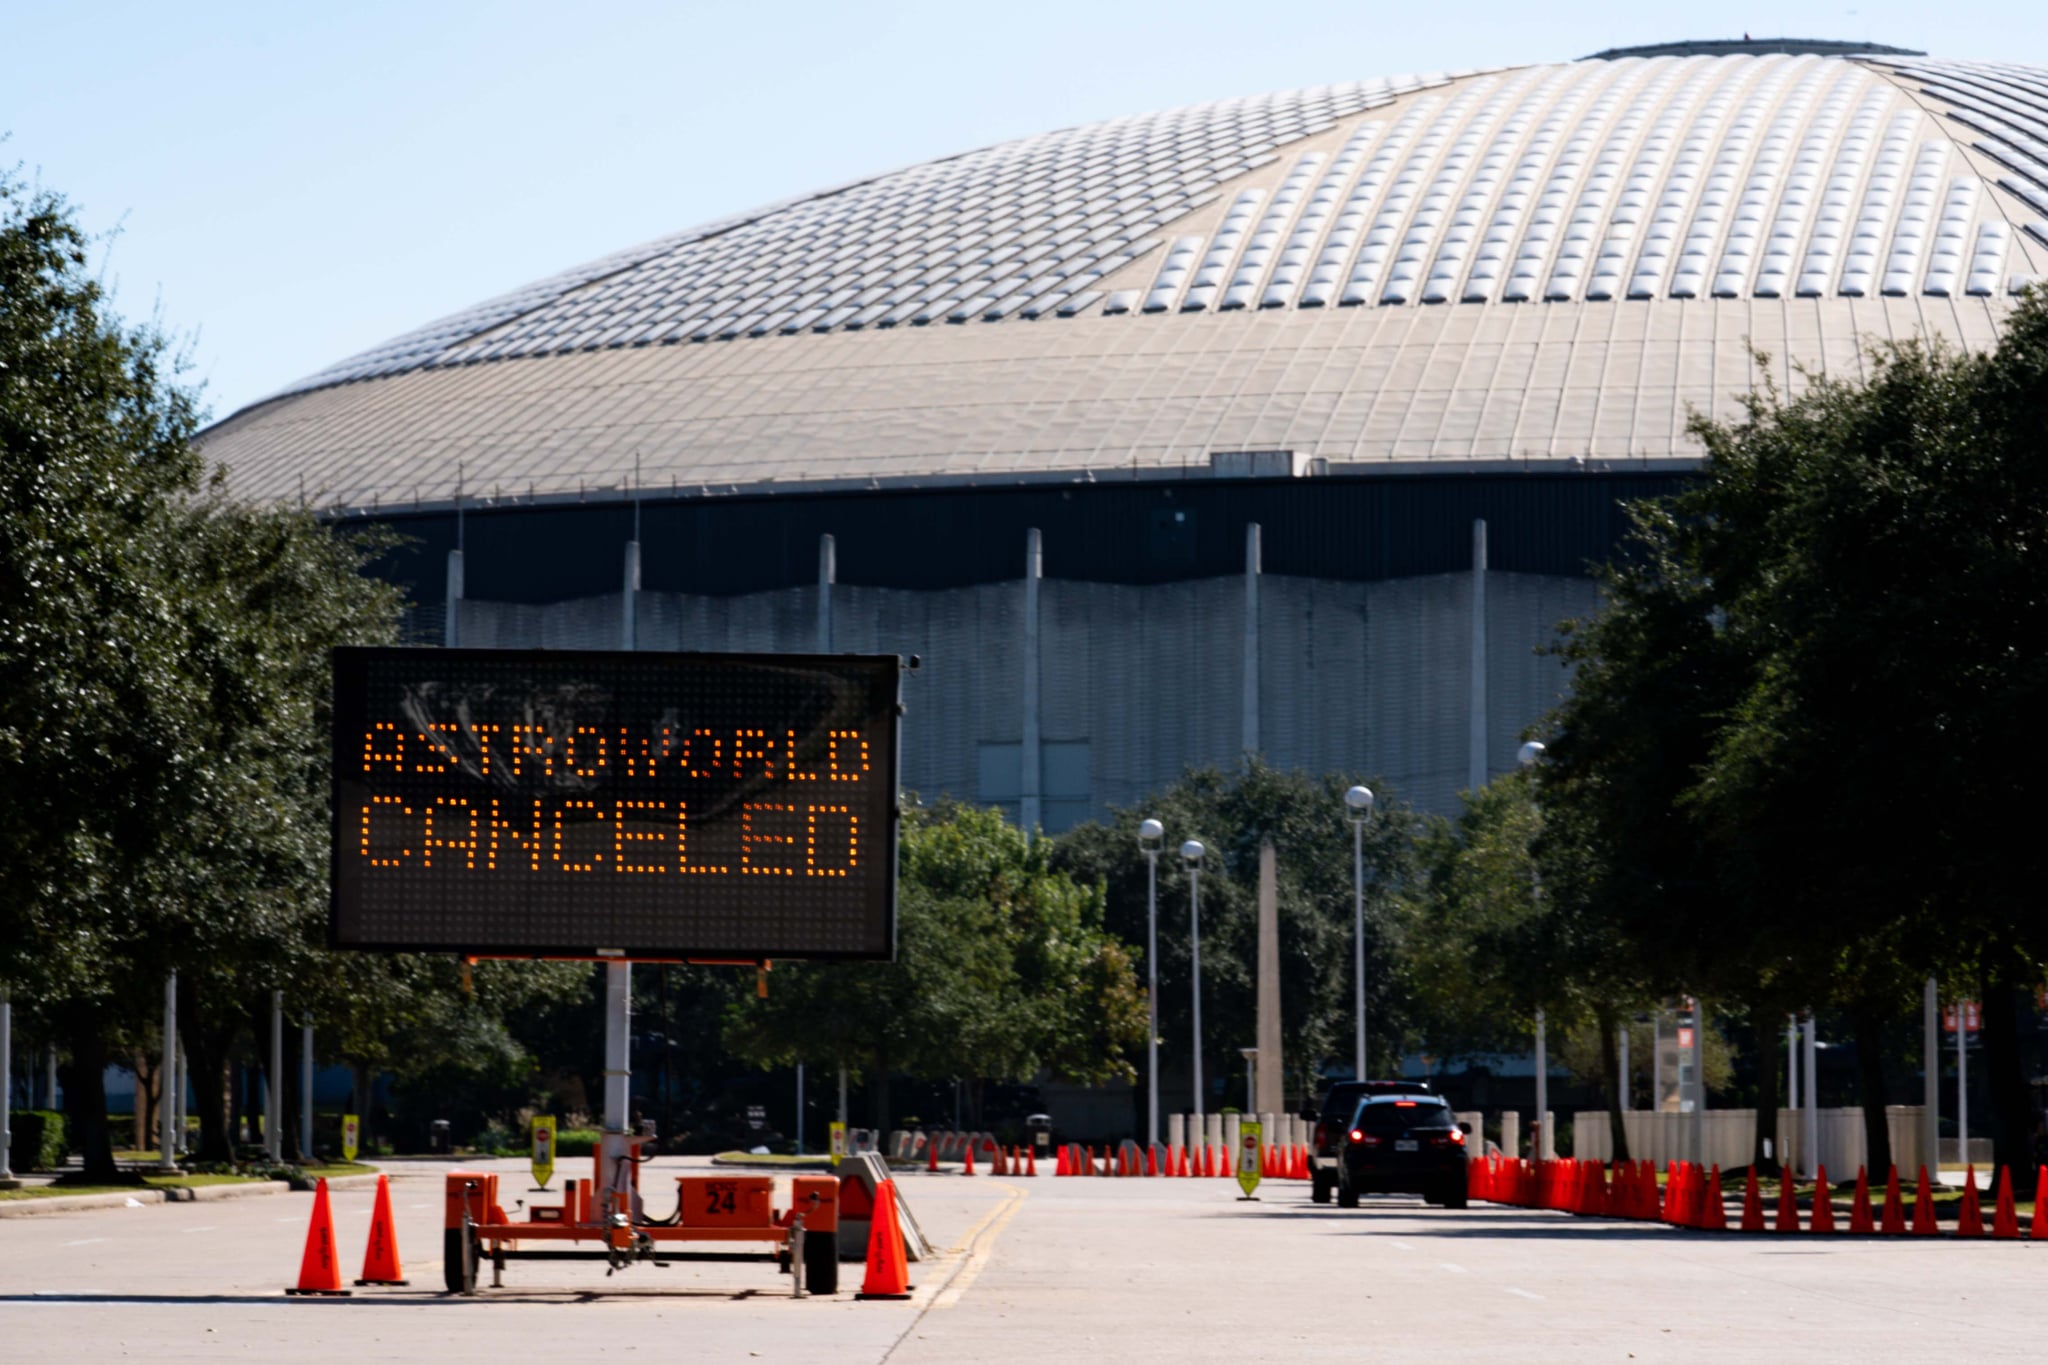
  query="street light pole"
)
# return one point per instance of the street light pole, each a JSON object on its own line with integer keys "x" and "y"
{"x": 1150, "y": 832}
{"x": 1529, "y": 756}
{"x": 1359, "y": 800}
{"x": 1251, "y": 1078}
{"x": 1191, "y": 854}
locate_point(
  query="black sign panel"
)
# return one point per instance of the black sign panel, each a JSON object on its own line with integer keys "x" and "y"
{"x": 558, "y": 802}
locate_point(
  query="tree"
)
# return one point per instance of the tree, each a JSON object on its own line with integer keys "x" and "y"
{"x": 1232, "y": 814}
{"x": 1002, "y": 969}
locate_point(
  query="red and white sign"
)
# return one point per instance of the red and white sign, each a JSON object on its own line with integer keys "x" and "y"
{"x": 1973, "y": 1017}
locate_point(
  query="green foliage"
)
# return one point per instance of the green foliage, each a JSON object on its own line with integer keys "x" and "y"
{"x": 577, "y": 1142}
{"x": 39, "y": 1140}
{"x": 1231, "y": 814}
{"x": 1003, "y": 969}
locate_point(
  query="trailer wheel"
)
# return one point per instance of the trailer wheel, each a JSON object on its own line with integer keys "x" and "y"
{"x": 821, "y": 1262}
{"x": 459, "y": 1254}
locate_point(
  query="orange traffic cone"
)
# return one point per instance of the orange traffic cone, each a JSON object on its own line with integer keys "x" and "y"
{"x": 888, "y": 1274}
{"x": 2005, "y": 1220}
{"x": 1788, "y": 1206}
{"x": 380, "y": 1257}
{"x": 1823, "y": 1217}
{"x": 1970, "y": 1222}
{"x": 1893, "y": 1223}
{"x": 1031, "y": 1161}
{"x": 1716, "y": 1215}
{"x": 2039, "y": 1231}
{"x": 1859, "y": 1211}
{"x": 320, "y": 1267}
{"x": 1923, "y": 1208}
{"x": 1059, "y": 1166}
{"x": 1752, "y": 1205}
{"x": 1151, "y": 1160}
{"x": 931, "y": 1162}
{"x": 967, "y": 1167}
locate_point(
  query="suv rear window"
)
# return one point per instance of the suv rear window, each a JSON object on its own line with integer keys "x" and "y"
{"x": 1398, "y": 1116}
{"x": 1342, "y": 1100}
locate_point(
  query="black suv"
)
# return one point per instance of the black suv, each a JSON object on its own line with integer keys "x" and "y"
{"x": 1403, "y": 1144}
{"x": 1333, "y": 1118}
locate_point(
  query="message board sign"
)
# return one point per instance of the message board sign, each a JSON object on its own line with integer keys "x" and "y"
{"x": 565, "y": 803}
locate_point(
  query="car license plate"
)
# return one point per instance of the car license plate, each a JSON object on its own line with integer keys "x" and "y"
{"x": 1404, "y": 1144}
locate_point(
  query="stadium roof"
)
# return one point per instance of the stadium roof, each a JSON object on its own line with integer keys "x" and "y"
{"x": 1551, "y": 262}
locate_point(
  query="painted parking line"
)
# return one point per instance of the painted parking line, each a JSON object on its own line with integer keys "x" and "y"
{"x": 85, "y": 1241}
{"x": 202, "y": 1229}
{"x": 1402, "y": 1246}
{"x": 1522, "y": 1293}
{"x": 1452, "y": 1266}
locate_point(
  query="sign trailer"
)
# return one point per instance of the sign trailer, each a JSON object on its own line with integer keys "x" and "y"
{"x": 619, "y": 806}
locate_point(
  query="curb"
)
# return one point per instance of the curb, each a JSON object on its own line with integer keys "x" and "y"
{"x": 197, "y": 1194}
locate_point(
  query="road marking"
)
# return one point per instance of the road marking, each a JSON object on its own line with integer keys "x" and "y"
{"x": 978, "y": 1243}
{"x": 1452, "y": 1266}
{"x": 1522, "y": 1293}
{"x": 85, "y": 1241}
{"x": 202, "y": 1229}
{"x": 1401, "y": 1246}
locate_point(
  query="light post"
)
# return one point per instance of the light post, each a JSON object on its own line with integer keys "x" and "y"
{"x": 1191, "y": 854}
{"x": 1251, "y": 1078}
{"x": 1529, "y": 756}
{"x": 1359, "y": 802}
{"x": 1150, "y": 832}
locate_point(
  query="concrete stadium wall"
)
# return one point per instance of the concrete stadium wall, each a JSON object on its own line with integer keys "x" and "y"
{"x": 1137, "y": 683}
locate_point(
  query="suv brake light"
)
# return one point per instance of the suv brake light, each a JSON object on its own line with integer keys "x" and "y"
{"x": 1363, "y": 1138}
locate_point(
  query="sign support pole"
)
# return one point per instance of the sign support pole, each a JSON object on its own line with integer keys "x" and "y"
{"x": 273, "y": 1092}
{"x": 618, "y": 1080}
{"x": 306, "y": 1092}
{"x": 7, "y": 1180}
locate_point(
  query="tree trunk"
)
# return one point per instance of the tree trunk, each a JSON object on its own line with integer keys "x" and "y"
{"x": 2012, "y": 1117}
{"x": 206, "y": 1050}
{"x": 85, "y": 1099}
{"x": 1868, "y": 1020}
{"x": 1762, "y": 1156}
{"x": 1617, "y": 1091}
{"x": 878, "y": 1095}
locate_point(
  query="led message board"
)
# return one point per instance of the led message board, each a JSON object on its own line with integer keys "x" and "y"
{"x": 558, "y": 802}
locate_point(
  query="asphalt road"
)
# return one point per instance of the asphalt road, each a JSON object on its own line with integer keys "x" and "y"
{"x": 1037, "y": 1272}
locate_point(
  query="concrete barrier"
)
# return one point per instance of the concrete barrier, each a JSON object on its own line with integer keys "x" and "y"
{"x": 1729, "y": 1134}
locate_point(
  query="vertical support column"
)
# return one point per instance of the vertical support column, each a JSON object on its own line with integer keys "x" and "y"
{"x": 1962, "y": 1087}
{"x": 50, "y": 1076}
{"x": 181, "y": 1077}
{"x": 828, "y": 574}
{"x": 1930, "y": 1088}
{"x": 1785, "y": 1137}
{"x": 273, "y": 1083}
{"x": 167, "y": 1112}
{"x": 1272, "y": 1063}
{"x": 7, "y": 1181}
{"x": 306, "y": 1093}
{"x": 618, "y": 1083}
{"x": 629, "y": 624}
{"x": 1621, "y": 1068}
{"x": 1254, "y": 565}
{"x": 842, "y": 1092}
{"x": 451, "y": 636}
{"x": 1475, "y": 740}
{"x": 1809, "y": 1153}
{"x": 1545, "y": 1147}
{"x": 1699, "y": 1082}
{"x": 1030, "y": 813}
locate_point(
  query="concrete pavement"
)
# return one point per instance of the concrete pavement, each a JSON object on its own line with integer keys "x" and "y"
{"x": 1037, "y": 1271}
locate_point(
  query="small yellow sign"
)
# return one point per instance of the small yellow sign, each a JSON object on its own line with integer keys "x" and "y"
{"x": 838, "y": 1141}
{"x": 543, "y": 1148}
{"x": 351, "y": 1136}
{"x": 1250, "y": 1150}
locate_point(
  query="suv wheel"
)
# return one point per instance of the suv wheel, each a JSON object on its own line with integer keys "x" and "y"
{"x": 1319, "y": 1188}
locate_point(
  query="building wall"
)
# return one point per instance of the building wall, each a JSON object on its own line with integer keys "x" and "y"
{"x": 1138, "y": 682}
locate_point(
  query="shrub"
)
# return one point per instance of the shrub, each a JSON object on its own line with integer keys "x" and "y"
{"x": 577, "y": 1141}
{"x": 39, "y": 1140}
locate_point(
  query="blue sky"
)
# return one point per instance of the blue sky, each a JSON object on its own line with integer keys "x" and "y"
{"x": 294, "y": 183}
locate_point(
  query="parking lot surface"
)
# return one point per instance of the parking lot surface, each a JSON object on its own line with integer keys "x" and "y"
{"x": 1033, "y": 1271}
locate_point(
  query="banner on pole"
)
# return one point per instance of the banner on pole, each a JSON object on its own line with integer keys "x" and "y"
{"x": 351, "y": 1135}
{"x": 1250, "y": 1148}
{"x": 838, "y": 1141}
{"x": 543, "y": 1148}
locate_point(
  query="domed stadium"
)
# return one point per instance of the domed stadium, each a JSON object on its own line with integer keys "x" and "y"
{"x": 1286, "y": 425}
